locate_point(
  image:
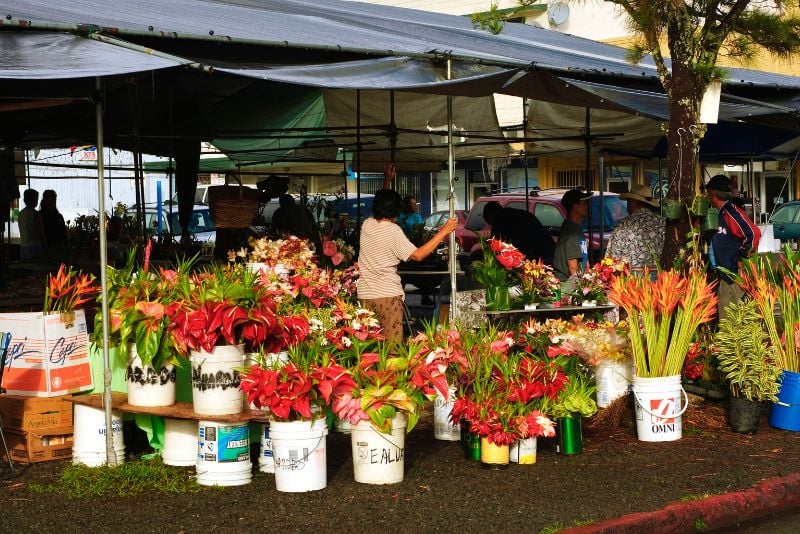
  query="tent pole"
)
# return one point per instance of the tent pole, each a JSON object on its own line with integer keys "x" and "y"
{"x": 525, "y": 105}
{"x": 392, "y": 130}
{"x": 111, "y": 455}
{"x": 602, "y": 168}
{"x": 451, "y": 166}
{"x": 358, "y": 167}
{"x": 588, "y": 178}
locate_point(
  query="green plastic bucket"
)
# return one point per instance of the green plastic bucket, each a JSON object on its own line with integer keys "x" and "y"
{"x": 700, "y": 206}
{"x": 711, "y": 220}
{"x": 672, "y": 208}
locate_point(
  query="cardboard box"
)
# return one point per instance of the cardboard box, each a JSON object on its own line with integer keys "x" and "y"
{"x": 30, "y": 447}
{"x": 48, "y": 355}
{"x": 35, "y": 413}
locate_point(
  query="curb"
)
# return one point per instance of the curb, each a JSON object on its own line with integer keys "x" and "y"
{"x": 719, "y": 511}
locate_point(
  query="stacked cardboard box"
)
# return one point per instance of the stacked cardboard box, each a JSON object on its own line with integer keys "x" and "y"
{"x": 37, "y": 429}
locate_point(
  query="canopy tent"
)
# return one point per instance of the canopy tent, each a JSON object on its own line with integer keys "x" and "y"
{"x": 167, "y": 96}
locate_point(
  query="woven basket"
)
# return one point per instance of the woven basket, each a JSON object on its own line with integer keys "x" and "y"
{"x": 232, "y": 206}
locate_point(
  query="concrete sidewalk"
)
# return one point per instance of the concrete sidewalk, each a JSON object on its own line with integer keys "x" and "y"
{"x": 717, "y": 512}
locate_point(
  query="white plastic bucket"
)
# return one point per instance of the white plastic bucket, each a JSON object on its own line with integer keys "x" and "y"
{"x": 266, "y": 462}
{"x": 443, "y": 427}
{"x": 300, "y": 455}
{"x": 146, "y": 386}
{"x": 523, "y": 451}
{"x": 89, "y": 440}
{"x": 223, "y": 454}
{"x": 180, "y": 442}
{"x": 613, "y": 381}
{"x": 658, "y": 408}
{"x": 215, "y": 380}
{"x": 379, "y": 458}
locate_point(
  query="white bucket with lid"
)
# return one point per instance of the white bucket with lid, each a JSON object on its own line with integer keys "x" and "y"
{"x": 658, "y": 407}
{"x": 146, "y": 386}
{"x": 379, "y": 458}
{"x": 300, "y": 455}
{"x": 89, "y": 436}
{"x": 180, "y": 442}
{"x": 443, "y": 427}
{"x": 223, "y": 454}
{"x": 613, "y": 381}
{"x": 215, "y": 380}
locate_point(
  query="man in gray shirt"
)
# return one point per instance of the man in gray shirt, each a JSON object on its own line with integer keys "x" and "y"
{"x": 572, "y": 247}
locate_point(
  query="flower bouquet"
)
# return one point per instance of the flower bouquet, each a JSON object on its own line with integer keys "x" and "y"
{"x": 296, "y": 392}
{"x": 498, "y": 270}
{"x": 588, "y": 288}
{"x": 278, "y": 256}
{"x": 298, "y": 388}
{"x": 68, "y": 290}
{"x": 139, "y": 299}
{"x": 388, "y": 379}
{"x": 663, "y": 317}
{"x": 539, "y": 283}
{"x": 502, "y": 395}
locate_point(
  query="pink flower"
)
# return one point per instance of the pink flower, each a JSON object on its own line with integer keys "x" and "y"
{"x": 337, "y": 258}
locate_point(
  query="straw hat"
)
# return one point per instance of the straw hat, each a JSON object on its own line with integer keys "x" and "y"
{"x": 641, "y": 193}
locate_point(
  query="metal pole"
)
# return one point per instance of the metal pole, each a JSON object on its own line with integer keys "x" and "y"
{"x": 588, "y": 178}
{"x": 358, "y": 170}
{"x": 603, "y": 184}
{"x": 525, "y": 104}
{"x": 111, "y": 455}
{"x": 451, "y": 165}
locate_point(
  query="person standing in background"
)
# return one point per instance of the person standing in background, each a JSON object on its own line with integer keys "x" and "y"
{"x": 736, "y": 238}
{"x": 409, "y": 216}
{"x": 522, "y": 229}
{"x": 383, "y": 245}
{"x": 639, "y": 237}
{"x": 572, "y": 249}
{"x": 55, "y": 229}
{"x": 31, "y": 231}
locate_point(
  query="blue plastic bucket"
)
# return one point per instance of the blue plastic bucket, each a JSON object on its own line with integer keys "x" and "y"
{"x": 786, "y": 411}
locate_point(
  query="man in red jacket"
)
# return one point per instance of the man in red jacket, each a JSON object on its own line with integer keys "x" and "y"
{"x": 736, "y": 238}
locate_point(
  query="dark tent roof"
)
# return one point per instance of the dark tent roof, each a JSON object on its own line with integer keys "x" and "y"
{"x": 156, "y": 102}
{"x": 346, "y": 27}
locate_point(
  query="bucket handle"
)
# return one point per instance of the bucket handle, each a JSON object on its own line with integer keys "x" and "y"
{"x": 661, "y": 415}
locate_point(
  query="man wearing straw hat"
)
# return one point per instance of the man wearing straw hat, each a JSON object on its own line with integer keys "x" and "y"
{"x": 736, "y": 238}
{"x": 639, "y": 237}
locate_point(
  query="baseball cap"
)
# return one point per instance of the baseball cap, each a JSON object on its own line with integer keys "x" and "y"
{"x": 573, "y": 196}
{"x": 719, "y": 182}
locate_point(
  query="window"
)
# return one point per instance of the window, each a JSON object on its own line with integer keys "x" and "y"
{"x": 549, "y": 215}
{"x": 573, "y": 178}
{"x": 476, "y": 221}
{"x": 517, "y": 204}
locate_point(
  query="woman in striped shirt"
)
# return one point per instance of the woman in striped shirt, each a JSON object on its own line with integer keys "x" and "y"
{"x": 383, "y": 247}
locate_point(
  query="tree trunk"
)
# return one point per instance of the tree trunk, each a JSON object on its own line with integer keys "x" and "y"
{"x": 683, "y": 139}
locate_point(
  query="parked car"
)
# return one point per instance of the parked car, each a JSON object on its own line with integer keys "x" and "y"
{"x": 436, "y": 220}
{"x": 201, "y": 226}
{"x": 785, "y": 221}
{"x": 546, "y": 206}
